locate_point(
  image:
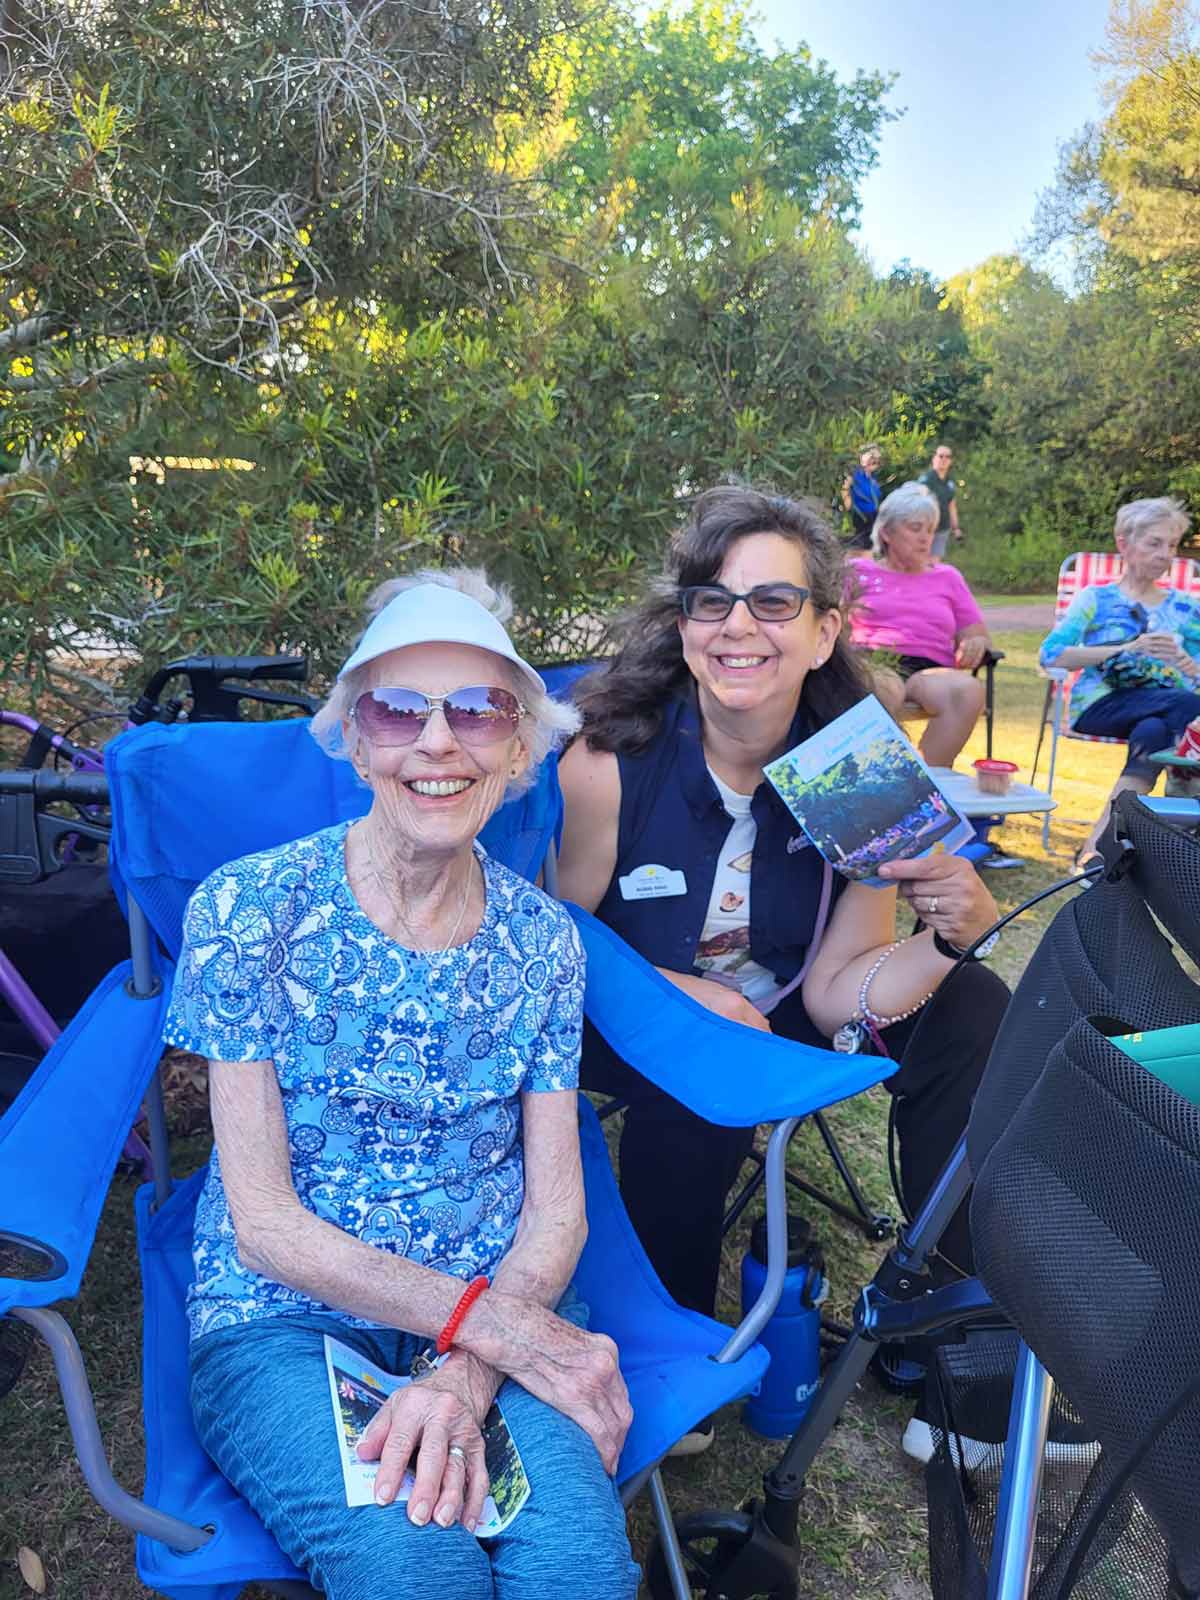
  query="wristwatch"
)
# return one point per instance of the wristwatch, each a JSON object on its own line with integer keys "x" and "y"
{"x": 953, "y": 953}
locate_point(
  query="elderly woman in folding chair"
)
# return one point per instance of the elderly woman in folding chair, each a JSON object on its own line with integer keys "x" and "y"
{"x": 736, "y": 655}
{"x": 917, "y": 616}
{"x": 1136, "y": 646}
{"x": 393, "y": 1022}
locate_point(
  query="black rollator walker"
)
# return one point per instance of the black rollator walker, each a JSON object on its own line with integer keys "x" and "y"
{"x": 1071, "y": 1464}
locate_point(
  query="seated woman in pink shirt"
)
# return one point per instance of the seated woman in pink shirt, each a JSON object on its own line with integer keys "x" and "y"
{"x": 918, "y": 616}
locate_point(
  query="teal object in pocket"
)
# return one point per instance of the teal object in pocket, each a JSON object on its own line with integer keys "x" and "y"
{"x": 1170, "y": 1054}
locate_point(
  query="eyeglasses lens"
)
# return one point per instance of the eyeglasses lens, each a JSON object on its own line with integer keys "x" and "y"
{"x": 777, "y": 604}
{"x": 480, "y": 714}
{"x": 769, "y": 602}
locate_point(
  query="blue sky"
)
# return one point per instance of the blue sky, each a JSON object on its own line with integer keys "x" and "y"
{"x": 991, "y": 87}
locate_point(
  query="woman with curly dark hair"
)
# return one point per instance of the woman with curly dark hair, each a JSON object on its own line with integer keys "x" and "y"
{"x": 736, "y": 655}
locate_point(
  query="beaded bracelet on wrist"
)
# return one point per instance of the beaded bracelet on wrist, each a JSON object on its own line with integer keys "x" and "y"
{"x": 872, "y": 1017}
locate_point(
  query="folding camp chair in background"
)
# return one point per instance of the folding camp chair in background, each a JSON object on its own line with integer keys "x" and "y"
{"x": 1078, "y": 572}
{"x": 184, "y": 801}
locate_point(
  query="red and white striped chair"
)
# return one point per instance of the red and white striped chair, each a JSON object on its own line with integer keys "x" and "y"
{"x": 1077, "y": 572}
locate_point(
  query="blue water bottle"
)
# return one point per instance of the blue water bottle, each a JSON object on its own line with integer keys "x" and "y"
{"x": 793, "y": 1335}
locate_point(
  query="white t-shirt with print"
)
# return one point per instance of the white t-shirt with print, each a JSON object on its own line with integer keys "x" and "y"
{"x": 723, "y": 952}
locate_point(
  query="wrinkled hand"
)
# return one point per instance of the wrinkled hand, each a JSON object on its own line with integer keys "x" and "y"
{"x": 414, "y": 1430}
{"x": 1164, "y": 647}
{"x": 947, "y": 894}
{"x": 971, "y": 652}
{"x": 574, "y": 1371}
{"x": 719, "y": 997}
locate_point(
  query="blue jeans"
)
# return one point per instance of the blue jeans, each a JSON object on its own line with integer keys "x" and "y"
{"x": 1151, "y": 720}
{"x": 260, "y": 1398}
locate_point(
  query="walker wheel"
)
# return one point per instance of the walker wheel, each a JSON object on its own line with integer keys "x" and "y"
{"x": 710, "y": 1542}
{"x": 882, "y": 1227}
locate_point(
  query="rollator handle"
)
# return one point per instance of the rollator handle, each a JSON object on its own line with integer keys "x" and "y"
{"x": 33, "y": 839}
{"x": 214, "y": 699}
{"x": 78, "y": 788}
{"x": 282, "y": 669}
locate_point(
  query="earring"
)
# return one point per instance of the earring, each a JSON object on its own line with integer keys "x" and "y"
{"x": 818, "y": 661}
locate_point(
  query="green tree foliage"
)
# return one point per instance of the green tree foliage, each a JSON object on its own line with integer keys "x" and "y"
{"x": 295, "y": 296}
{"x": 312, "y": 250}
{"x": 1149, "y": 154}
{"x": 201, "y": 170}
{"x": 675, "y": 114}
{"x": 709, "y": 181}
{"x": 1094, "y": 393}
{"x": 202, "y": 208}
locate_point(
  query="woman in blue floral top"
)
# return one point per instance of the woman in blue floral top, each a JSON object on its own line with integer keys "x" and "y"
{"x": 1137, "y": 648}
{"x": 393, "y": 1024}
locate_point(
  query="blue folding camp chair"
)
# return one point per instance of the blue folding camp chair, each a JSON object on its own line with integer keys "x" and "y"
{"x": 184, "y": 801}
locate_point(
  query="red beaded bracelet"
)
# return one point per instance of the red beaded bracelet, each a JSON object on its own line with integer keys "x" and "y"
{"x": 454, "y": 1321}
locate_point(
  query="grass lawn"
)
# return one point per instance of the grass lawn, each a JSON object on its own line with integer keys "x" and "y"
{"x": 862, "y": 1522}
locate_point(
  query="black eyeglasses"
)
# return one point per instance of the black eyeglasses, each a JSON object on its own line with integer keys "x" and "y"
{"x": 768, "y": 602}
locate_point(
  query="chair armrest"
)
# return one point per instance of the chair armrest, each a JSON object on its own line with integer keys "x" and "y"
{"x": 61, "y": 1137}
{"x": 1055, "y": 674}
{"x": 991, "y": 658}
{"x": 724, "y": 1071}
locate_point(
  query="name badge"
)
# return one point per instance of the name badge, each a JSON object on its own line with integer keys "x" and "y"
{"x": 652, "y": 882}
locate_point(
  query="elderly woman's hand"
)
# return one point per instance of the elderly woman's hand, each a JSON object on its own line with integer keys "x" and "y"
{"x": 971, "y": 651}
{"x": 574, "y": 1371}
{"x": 431, "y": 1428}
{"x": 947, "y": 894}
{"x": 1163, "y": 647}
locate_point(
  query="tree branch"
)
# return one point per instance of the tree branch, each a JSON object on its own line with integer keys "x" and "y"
{"x": 33, "y": 330}
{"x": 122, "y": 368}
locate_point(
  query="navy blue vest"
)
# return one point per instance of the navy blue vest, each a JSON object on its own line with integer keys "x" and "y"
{"x": 672, "y": 816}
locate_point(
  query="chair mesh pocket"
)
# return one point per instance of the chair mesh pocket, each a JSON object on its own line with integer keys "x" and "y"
{"x": 1094, "y": 1540}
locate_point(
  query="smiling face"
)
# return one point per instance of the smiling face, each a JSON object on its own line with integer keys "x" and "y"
{"x": 743, "y": 664}
{"x": 1150, "y": 554}
{"x": 438, "y": 792}
{"x": 942, "y": 459}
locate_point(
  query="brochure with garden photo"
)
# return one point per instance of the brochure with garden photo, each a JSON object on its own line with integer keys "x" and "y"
{"x": 863, "y": 795}
{"x": 358, "y": 1388}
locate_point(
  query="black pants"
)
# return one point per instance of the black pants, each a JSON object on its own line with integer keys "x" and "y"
{"x": 677, "y": 1170}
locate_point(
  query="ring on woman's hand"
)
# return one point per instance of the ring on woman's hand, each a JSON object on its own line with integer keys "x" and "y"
{"x": 932, "y": 905}
{"x": 457, "y": 1450}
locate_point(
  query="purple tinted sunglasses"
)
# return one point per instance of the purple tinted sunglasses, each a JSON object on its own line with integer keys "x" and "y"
{"x": 478, "y": 714}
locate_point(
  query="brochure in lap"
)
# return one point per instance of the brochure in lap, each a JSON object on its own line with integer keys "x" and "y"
{"x": 863, "y": 795}
{"x": 358, "y": 1388}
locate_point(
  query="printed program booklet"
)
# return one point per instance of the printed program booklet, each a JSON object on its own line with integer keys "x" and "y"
{"x": 358, "y": 1388}
{"x": 863, "y": 795}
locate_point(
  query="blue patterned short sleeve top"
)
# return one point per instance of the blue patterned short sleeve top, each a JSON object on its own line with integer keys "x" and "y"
{"x": 399, "y": 1070}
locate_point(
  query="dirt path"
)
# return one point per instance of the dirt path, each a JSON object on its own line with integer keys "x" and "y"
{"x": 1037, "y": 618}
